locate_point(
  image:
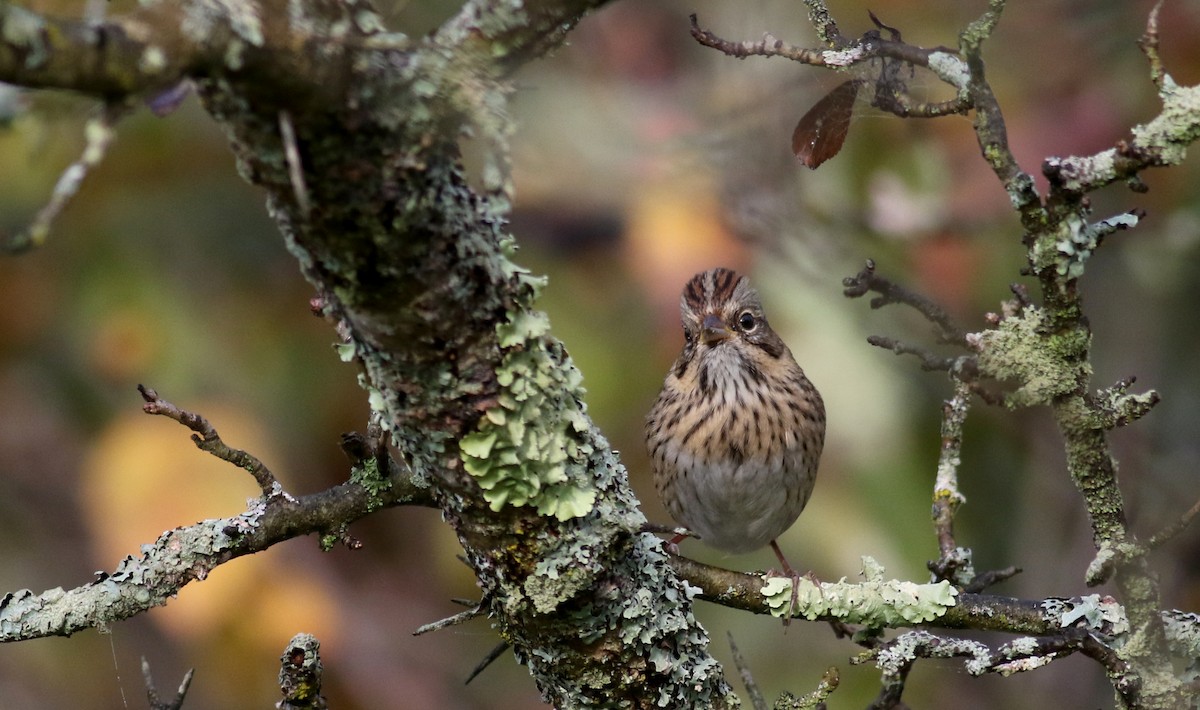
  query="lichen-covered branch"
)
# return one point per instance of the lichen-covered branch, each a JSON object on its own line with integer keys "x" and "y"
{"x": 300, "y": 673}
{"x": 187, "y": 554}
{"x": 953, "y": 563}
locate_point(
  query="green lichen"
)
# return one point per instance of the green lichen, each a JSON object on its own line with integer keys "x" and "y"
{"x": 368, "y": 475}
{"x": 876, "y": 602}
{"x": 529, "y": 448}
{"x": 1045, "y": 365}
{"x": 328, "y": 541}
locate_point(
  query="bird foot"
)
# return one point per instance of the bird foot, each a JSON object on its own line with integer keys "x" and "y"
{"x": 679, "y": 534}
{"x": 790, "y": 573}
{"x": 794, "y": 602}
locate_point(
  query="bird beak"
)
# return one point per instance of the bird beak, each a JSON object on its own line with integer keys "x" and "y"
{"x": 713, "y": 330}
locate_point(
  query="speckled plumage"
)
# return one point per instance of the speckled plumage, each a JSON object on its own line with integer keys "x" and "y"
{"x": 737, "y": 431}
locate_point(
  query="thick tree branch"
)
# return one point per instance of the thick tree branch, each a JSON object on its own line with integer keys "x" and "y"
{"x": 189, "y": 553}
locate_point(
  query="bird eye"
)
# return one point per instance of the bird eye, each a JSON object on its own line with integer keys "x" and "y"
{"x": 747, "y": 322}
{"x": 688, "y": 337}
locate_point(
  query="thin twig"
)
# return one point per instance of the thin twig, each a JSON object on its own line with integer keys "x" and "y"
{"x": 865, "y": 49}
{"x": 867, "y": 280}
{"x": 929, "y": 361}
{"x": 1168, "y": 533}
{"x": 983, "y": 580}
{"x": 757, "y": 701}
{"x": 207, "y": 439}
{"x": 768, "y": 46}
{"x": 460, "y": 618}
{"x": 491, "y": 656}
{"x": 295, "y": 167}
{"x": 990, "y": 129}
{"x": 1149, "y": 46}
{"x": 1124, "y": 681}
{"x": 152, "y": 693}
{"x": 99, "y": 133}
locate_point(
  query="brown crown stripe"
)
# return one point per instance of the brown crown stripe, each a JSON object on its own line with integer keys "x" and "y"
{"x": 710, "y": 288}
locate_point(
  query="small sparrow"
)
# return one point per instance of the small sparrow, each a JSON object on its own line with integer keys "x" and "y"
{"x": 737, "y": 431}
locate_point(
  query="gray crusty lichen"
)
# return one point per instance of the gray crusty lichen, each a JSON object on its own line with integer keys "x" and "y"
{"x": 638, "y": 616}
{"x": 529, "y": 448}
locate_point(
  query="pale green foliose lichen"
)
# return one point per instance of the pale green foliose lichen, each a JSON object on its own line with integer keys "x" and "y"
{"x": 1082, "y": 239}
{"x": 876, "y": 602}
{"x": 528, "y": 449}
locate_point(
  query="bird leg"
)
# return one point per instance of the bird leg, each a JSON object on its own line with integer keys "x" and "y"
{"x": 677, "y": 533}
{"x": 791, "y": 574}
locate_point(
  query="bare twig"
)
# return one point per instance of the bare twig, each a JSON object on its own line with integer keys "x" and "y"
{"x": 989, "y": 121}
{"x": 460, "y": 618}
{"x": 152, "y": 693}
{"x": 983, "y": 580}
{"x": 757, "y": 701}
{"x": 1149, "y": 46}
{"x": 768, "y": 46}
{"x": 869, "y": 47}
{"x": 1124, "y": 680}
{"x": 867, "y": 280}
{"x": 929, "y": 361}
{"x": 491, "y": 656}
{"x": 207, "y": 439}
{"x": 1168, "y": 533}
{"x": 814, "y": 700}
{"x": 295, "y": 167}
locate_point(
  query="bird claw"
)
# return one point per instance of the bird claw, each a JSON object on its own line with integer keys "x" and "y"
{"x": 678, "y": 534}
{"x": 794, "y": 602}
